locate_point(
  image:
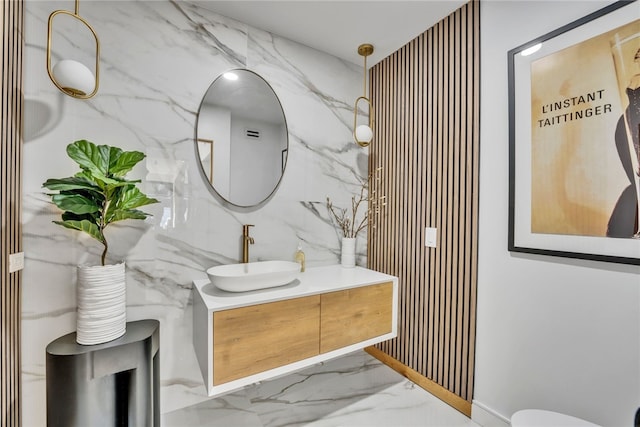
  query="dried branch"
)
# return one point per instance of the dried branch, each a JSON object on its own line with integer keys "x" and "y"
{"x": 350, "y": 225}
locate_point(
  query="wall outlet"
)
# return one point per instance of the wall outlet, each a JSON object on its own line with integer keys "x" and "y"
{"x": 16, "y": 262}
{"x": 430, "y": 237}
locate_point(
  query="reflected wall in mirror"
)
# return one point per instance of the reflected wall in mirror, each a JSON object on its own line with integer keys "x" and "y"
{"x": 242, "y": 138}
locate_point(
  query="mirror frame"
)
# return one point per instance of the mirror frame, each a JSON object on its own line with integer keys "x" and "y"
{"x": 224, "y": 201}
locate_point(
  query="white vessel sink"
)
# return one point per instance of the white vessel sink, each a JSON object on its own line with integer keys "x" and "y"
{"x": 253, "y": 275}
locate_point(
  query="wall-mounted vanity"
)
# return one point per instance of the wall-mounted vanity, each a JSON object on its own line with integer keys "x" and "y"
{"x": 243, "y": 338}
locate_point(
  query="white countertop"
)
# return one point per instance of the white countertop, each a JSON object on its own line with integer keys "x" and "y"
{"x": 315, "y": 280}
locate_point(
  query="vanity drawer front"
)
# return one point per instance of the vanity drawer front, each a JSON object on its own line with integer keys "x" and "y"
{"x": 354, "y": 315}
{"x": 253, "y": 339}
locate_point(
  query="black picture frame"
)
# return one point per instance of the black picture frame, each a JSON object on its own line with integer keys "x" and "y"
{"x": 521, "y": 239}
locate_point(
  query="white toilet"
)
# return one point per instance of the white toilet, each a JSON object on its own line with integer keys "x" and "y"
{"x": 541, "y": 418}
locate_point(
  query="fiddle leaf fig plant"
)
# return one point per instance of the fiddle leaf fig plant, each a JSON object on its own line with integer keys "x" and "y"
{"x": 99, "y": 194}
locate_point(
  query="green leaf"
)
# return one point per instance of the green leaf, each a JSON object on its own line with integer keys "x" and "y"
{"x": 132, "y": 198}
{"x": 72, "y": 183}
{"x": 124, "y": 202}
{"x": 119, "y": 182}
{"x": 90, "y": 156}
{"x": 85, "y": 226}
{"x": 86, "y": 175}
{"x": 91, "y": 217}
{"x": 101, "y": 181}
{"x": 120, "y": 215}
{"x": 114, "y": 154}
{"x": 97, "y": 197}
{"x": 75, "y": 203}
{"x": 114, "y": 191}
{"x": 122, "y": 164}
{"x": 114, "y": 195}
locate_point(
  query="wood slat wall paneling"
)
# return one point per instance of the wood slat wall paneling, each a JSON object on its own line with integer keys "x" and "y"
{"x": 426, "y": 139}
{"x": 11, "y": 116}
{"x": 473, "y": 26}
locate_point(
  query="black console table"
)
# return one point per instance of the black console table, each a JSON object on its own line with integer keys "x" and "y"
{"x": 110, "y": 384}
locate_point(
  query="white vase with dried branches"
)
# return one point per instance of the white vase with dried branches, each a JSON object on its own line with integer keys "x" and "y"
{"x": 350, "y": 223}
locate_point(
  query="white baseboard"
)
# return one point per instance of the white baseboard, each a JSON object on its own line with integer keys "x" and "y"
{"x": 487, "y": 417}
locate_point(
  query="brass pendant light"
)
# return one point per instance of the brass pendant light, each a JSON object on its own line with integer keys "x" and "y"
{"x": 72, "y": 77}
{"x": 363, "y": 134}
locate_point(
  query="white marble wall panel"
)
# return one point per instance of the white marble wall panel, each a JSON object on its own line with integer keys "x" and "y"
{"x": 157, "y": 60}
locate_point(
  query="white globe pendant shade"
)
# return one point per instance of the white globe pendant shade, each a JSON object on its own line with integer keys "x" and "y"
{"x": 364, "y": 133}
{"x": 74, "y": 77}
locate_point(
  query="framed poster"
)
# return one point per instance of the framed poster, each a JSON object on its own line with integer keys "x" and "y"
{"x": 574, "y": 127}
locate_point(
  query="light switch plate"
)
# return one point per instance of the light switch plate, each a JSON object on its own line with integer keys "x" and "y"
{"x": 430, "y": 237}
{"x": 16, "y": 262}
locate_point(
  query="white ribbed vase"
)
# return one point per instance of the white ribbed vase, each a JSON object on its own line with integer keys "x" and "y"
{"x": 102, "y": 306}
{"x": 348, "y": 253}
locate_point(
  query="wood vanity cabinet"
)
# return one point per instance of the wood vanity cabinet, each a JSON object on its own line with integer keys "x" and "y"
{"x": 256, "y": 338}
{"x": 354, "y": 315}
{"x": 247, "y": 337}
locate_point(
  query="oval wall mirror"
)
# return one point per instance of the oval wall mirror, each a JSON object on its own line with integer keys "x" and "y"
{"x": 242, "y": 140}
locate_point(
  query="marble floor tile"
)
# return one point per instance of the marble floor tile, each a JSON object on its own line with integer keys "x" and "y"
{"x": 229, "y": 410}
{"x": 403, "y": 404}
{"x": 353, "y": 390}
{"x": 313, "y": 394}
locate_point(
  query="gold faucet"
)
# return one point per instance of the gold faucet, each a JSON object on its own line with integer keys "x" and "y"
{"x": 246, "y": 241}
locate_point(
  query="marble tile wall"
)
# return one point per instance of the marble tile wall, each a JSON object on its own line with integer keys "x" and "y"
{"x": 157, "y": 60}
